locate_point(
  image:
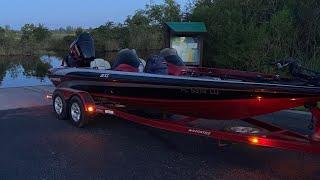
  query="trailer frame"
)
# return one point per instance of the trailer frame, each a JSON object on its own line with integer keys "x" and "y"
{"x": 273, "y": 136}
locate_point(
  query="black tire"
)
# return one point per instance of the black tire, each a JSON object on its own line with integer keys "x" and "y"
{"x": 77, "y": 105}
{"x": 63, "y": 114}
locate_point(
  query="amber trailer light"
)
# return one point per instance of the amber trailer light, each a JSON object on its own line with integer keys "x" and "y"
{"x": 254, "y": 140}
{"x": 90, "y": 109}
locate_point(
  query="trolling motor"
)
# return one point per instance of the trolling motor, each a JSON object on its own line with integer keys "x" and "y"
{"x": 311, "y": 77}
{"x": 298, "y": 71}
{"x": 82, "y": 52}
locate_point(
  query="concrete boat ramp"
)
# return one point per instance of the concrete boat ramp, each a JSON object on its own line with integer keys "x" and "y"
{"x": 24, "y": 97}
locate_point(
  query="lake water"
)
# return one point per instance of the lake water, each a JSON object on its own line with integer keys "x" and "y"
{"x": 26, "y": 71}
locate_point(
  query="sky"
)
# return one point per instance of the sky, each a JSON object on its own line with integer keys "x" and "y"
{"x": 76, "y": 13}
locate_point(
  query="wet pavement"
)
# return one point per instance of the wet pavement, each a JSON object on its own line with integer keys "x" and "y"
{"x": 35, "y": 145}
{"x": 24, "y": 97}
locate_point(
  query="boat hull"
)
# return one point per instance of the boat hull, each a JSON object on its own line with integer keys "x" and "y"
{"x": 205, "y": 98}
{"x": 214, "y": 109}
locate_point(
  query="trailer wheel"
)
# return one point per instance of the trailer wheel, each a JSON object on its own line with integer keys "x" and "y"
{"x": 60, "y": 107}
{"x": 77, "y": 113}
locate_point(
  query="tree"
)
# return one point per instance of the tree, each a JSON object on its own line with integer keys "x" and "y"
{"x": 2, "y": 39}
{"x": 78, "y": 31}
{"x": 107, "y": 37}
{"x": 41, "y": 33}
{"x": 138, "y": 19}
{"x": 245, "y": 35}
{"x": 143, "y": 35}
{"x": 27, "y": 32}
{"x": 161, "y": 13}
{"x": 2, "y": 34}
{"x": 33, "y": 38}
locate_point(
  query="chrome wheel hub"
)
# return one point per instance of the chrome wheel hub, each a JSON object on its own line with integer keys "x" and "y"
{"x": 58, "y": 105}
{"x": 75, "y": 112}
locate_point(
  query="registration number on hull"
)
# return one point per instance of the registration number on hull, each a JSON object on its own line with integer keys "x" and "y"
{"x": 200, "y": 91}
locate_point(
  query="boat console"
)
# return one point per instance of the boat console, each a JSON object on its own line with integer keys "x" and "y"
{"x": 100, "y": 64}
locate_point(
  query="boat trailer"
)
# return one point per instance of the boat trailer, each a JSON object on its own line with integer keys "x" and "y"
{"x": 273, "y": 136}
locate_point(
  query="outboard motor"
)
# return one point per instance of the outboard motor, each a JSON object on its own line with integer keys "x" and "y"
{"x": 176, "y": 65}
{"x": 82, "y": 51}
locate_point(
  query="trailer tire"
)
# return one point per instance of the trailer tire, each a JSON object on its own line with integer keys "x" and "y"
{"x": 60, "y": 107}
{"x": 78, "y": 116}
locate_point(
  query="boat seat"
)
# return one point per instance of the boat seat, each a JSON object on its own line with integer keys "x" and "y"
{"x": 127, "y": 60}
{"x": 100, "y": 64}
{"x": 156, "y": 65}
{"x": 176, "y": 65}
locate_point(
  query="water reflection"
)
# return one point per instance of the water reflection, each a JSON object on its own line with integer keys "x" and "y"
{"x": 26, "y": 71}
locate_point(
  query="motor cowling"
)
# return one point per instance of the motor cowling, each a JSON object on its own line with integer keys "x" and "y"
{"x": 82, "y": 51}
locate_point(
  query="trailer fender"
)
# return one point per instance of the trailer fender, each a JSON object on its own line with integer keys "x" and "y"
{"x": 86, "y": 98}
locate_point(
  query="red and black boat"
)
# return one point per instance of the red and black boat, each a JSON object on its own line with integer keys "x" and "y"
{"x": 201, "y": 92}
{"x": 193, "y": 96}
{"x": 168, "y": 86}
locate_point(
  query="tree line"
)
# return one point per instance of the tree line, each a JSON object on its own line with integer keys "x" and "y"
{"x": 243, "y": 35}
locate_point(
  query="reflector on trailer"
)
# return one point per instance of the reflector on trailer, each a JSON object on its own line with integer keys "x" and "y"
{"x": 254, "y": 140}
{"x": 108, "y": 112}
{"x": 90, "y": 109}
